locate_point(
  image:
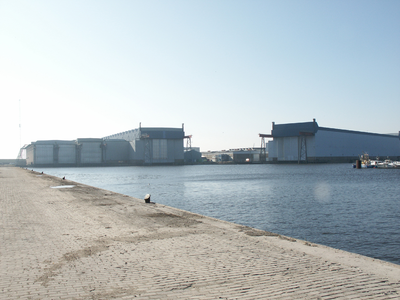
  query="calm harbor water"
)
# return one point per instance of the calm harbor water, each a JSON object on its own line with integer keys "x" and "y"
{"x": 330, "y": 204}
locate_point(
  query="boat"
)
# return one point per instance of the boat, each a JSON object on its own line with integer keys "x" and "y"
{"x": 388, "y": 164}
{"x": 367, "y": 162}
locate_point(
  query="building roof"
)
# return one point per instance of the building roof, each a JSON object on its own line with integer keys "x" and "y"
{"x": 89, "y": 140}
{"x": 51, "y": 142}
{"x": 360, "y": 132}
{"x": 294, "y": 129}
{"x": 311, "y": 128}
{"x": 162, "y": 133}
{"x": 150, "y": 132}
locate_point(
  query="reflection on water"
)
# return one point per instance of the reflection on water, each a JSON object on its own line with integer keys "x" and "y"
{"x": 331, "y": 204}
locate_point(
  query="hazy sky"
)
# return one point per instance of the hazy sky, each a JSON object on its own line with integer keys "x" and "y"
{"x": 226, "y": 69}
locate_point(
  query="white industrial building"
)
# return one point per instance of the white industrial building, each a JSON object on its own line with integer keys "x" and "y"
{"x": 142, "y": 146}
{"x": 308, "y": 142}
{"x": 153, "y": 145}
{"x": 51, "y": 152}
{"x": 237, "y": 156}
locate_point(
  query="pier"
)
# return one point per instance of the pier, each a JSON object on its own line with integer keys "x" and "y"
{"x": 61, "y": 239}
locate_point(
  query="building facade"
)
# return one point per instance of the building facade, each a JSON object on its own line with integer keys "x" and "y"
{"x": 152, "y": 145}
{"x": 236, "y": 156}
{"x": 142, "y": 146}
{"x": 308, "y": 142}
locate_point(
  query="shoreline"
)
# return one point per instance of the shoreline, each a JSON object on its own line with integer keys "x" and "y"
{"x": 85, "y": 242}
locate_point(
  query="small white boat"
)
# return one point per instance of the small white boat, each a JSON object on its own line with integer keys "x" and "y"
{"x": 366, "y": 162}
{"x": 388, "y": 164}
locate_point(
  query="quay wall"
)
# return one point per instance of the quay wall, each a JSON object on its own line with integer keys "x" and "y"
{"x": 62, "y": 240}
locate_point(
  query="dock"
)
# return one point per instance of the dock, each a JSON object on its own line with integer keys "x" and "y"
{"x": 61, "y": 239}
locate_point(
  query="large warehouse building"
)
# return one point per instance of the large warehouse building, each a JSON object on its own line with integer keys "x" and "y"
{"x": 152, "y": 145}
{"x": 141, "y": 146}
{"x": 308, "y": 142}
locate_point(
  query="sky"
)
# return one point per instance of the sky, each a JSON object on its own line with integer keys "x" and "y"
{"x": 226, "y": 69}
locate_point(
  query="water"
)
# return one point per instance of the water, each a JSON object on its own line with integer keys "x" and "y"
{"x": 330, "y": 204}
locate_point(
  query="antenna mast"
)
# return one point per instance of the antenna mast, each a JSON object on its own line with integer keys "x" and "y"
{"x": 19, "y": 123}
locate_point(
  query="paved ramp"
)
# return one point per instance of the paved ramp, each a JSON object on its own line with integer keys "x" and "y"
{"x": 80, "y": 242}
